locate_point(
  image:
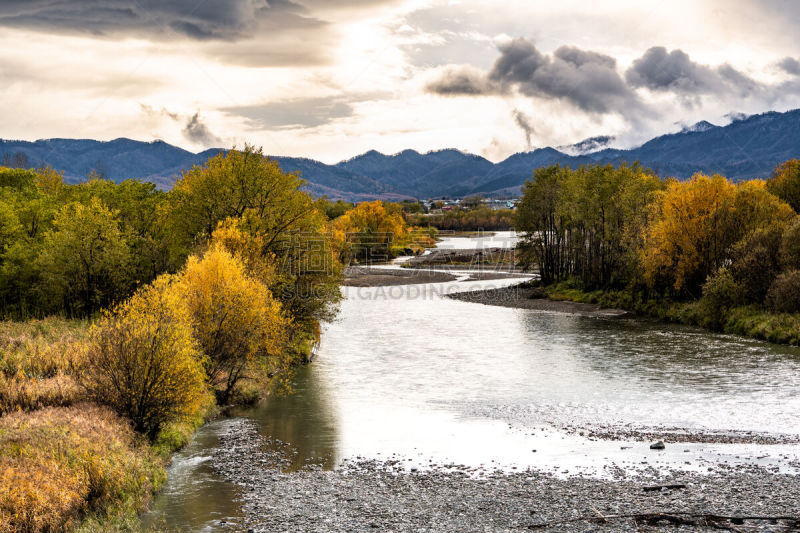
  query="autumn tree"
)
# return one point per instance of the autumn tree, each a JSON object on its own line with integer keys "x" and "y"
{"x": 49, "y": 180}
{"x": 585, "y": 223}
{"x": 785, "y": 183}
{"x": 236, "y": 321}
{"x": 144, "y": 362}
{"x": 697, "y": 224}
{"x": 278, "y": 218}
{"x": 790, "y": 245}
{"x": 372, "y": 230}
{"x": 687, "y": 241}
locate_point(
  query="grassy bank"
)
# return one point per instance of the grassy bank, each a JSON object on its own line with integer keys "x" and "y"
{"x": 750, "y": 321}
{"x": 66, "y": 463}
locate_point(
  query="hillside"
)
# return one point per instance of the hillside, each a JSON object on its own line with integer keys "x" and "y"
{"x": 746, "y": 148}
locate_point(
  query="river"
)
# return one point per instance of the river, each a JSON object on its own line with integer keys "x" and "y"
{"x": 405, "y": 372}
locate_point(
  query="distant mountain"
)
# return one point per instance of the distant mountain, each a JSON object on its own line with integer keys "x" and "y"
{"x": 700, "y": 127}
{"x": 119, "y": 159}
{"x": 587, "y": 146}
{"x": 161, "y": 163}
{"x": 748, "y": 147}
{"x": 437, "y": 173}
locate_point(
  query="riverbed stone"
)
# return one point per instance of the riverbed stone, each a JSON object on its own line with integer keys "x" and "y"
{"x": 437, "y": 500}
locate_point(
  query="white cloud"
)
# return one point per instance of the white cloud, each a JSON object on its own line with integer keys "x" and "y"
{"x": 329, "y": 80}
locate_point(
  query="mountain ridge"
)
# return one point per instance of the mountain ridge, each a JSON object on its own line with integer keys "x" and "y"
{"x": 748, "y": 147}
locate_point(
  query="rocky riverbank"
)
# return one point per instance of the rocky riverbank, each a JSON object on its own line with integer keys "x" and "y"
{"x": 386, "y": 496}
{"x": 502, "y": 259}
{"x": 526, "y": 297}
{"x": 383, "y": 277}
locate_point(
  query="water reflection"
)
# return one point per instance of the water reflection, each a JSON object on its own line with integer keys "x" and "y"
{"x": 418, "y": 374}
{"x": 305, "y": 420}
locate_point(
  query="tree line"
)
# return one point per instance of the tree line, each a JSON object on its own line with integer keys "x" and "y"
{"x": 724, "y": 245}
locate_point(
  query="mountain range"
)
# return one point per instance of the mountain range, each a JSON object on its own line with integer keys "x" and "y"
{"x": 748, "y": 147}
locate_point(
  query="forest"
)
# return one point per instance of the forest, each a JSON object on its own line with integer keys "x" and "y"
{"x": 134, "y": 314}
{"x": 469, "y": 217}
{"x": 705, "y": 251}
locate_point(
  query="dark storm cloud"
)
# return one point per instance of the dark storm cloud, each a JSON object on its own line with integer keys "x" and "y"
{"x": 588, "y": 80}
{"x": 195, "y": 19}
{"x": 298, "y": 113}
{"x": 198, "y": 132}
{"x": 675, "y": 71}
{"x": 461, "y": 80}
{"x": 790, "y": 65}
{"x": 578, "y": 57}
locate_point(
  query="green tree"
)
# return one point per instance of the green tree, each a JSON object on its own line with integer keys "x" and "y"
{"x": 784, "y": 294}
{"x": 721, "y": 293}
{"x": 85, "y": 257}
{"x": 785, "y": 183}
{"x": 756, "y": 262}
{"x": 790, "y": 245}
{"x": 281, "y": 220}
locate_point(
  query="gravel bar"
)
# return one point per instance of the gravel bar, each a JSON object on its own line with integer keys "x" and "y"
{"x": 386, "y": 496}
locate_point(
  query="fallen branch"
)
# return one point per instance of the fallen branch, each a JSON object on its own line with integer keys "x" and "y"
{"x": 677, "y": 519}
{"x": 653, "y": 488}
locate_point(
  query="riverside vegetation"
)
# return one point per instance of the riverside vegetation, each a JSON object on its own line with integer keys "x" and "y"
{"x": 131, "y": 313}
{"x": 706, "y": 251}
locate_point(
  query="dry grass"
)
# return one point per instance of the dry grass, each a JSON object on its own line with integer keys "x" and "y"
{"x": 37, "y": 359}
{"x": 41, "y": 348}
{"x": 60, "y": 464}
{"x": 22, "y": 394}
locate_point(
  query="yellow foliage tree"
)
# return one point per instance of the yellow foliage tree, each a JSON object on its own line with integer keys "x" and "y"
{"x": 270, "y": 207}
{"x": 49, "y": 180}
{"x": 371, "y": 230}
{"x": 247, "y": 248}
{"x": 696, "y": 225}
{"x": 236, "y": 321}
{"x": 686, "y": 241}
{"x": 754, "y": 206}
{"x": 143, "y": 361}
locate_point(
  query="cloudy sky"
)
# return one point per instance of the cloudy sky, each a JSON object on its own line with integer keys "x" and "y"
{"x": 330, "y": 79}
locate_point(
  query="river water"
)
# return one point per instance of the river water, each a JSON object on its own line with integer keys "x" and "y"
{"x": 406, "y": 373}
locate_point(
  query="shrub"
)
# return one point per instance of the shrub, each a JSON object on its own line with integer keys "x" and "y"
{"x": 720, "y": 295}
{"x": 59, "y": 464}
{"x": 790, "y": 245}
{"x": 235, "y": 319}
{"x": 143, "y": 361}
{"x": 756, "y": 262}
{"x": 784, "y": 294}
